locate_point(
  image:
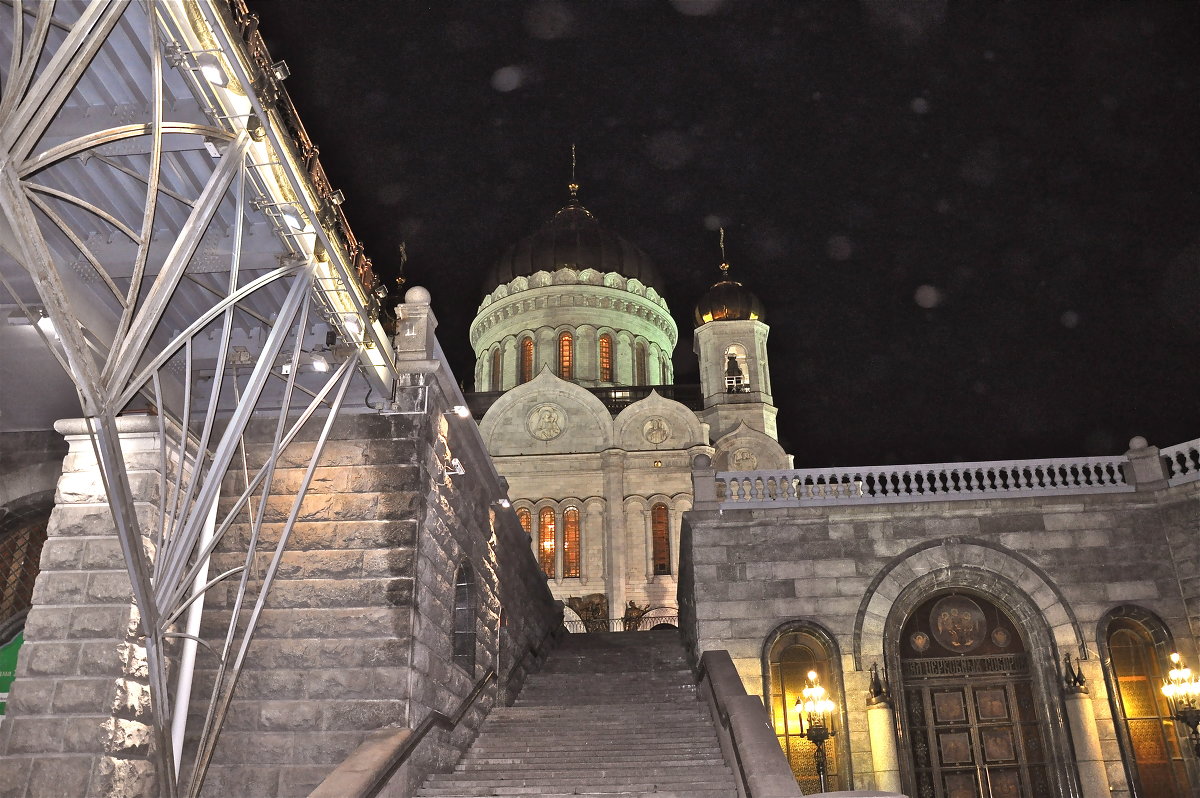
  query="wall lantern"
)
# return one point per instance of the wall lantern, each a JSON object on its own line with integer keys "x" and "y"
{"x": 1181, "y": 689}
{"x": 816, "y": 718}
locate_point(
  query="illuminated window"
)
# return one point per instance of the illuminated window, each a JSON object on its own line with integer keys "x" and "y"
{"x": 1142, "y": 711}
{"x": 546, "y": 541}
{"x": 791, "y": 658}
{"x": 495, "y": 375}
{"x": 606, "y": 365}
{"x": 464, "y": 618}
{"x": 525, "y": 518}
{"x": 566, "y": 355}
{"x": 660, "y": 533}
{"x": 639, "y": 364}
{"x": 526, "y": 359}
{"x": 571, "y": 542}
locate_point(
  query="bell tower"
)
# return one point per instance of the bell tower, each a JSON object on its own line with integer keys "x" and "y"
{"x": 731, "y": 343}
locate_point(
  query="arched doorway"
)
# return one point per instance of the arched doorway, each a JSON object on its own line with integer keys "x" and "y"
{"x": 791, "y": 653}
{"x": 976, "y": 726}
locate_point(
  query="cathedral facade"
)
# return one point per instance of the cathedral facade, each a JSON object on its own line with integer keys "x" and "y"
{"x": 577, "y": 406}
{"x": 982, "y": 629}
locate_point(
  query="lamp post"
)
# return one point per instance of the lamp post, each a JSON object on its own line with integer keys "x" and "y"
{"x": 816, "y": 718}
{"x": 1182, "y": 691}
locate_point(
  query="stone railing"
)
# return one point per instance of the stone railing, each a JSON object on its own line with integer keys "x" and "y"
{"x": 926, "y": 482}
{"x": 1183, "y": 462}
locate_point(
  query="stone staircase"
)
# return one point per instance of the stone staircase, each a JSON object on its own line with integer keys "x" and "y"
{"x": 610, "y": 714}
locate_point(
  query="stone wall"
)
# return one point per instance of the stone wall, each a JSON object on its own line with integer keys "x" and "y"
{"x": 77, "y": 710}
{"x": 357, "y": 630}
{"x": 1057, "y": 563}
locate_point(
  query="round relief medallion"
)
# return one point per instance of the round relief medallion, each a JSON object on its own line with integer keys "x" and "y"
{"x": 656, "y": 430}
{"x": 920, "y": 642}
{"x": 743, "y": 460}
{"x": 545, "y": 422}
{"x": 1001, "y": 637}
{"x": 957, "y": 624}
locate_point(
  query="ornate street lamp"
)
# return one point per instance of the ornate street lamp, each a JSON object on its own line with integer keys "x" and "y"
{"x": 816, "y": 719}
{"x": 1182, "y": 690}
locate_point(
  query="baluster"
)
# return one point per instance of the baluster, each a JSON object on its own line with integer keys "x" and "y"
{"x": 1037, "y": 476}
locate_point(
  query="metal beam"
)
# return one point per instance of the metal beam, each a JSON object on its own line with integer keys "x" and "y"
{"x": 121, "y": 366}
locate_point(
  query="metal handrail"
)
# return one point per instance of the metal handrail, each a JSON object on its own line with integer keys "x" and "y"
{"x": 624, "y": 624}
{"x": 434, "y": 718}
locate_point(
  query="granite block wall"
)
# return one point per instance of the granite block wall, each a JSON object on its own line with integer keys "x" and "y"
{"x": 77, "y": 712}
{"x": 357, "y": 631}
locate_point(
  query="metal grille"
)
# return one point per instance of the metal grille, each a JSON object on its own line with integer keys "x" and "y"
{"x": 21, "y": 539}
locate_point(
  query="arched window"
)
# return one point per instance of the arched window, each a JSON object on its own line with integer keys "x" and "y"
{"x": 666, "y": 370}
{"x": 1143, "y": 717}
{"x": 606, "y": 359}
{"x": 790, "y": 659}
{"x": 566, "y": 355}
{"x": 660, "y": 533}
{"x": 526, "y": 359}
{"x": 464, "y": 618}
{"x": 525, "y": 518}
{"x": 736, "y": 379}
{"x": 546, "y": 542}
{"x": 571, "y": 542}
{"x": 639, "y": 364}
{"x": 494, "y": 377}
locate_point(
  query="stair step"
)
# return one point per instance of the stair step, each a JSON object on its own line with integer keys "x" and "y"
{"x": 609, "y": 715}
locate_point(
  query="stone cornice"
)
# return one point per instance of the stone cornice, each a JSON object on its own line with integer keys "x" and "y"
{"x": 569, "y": 290}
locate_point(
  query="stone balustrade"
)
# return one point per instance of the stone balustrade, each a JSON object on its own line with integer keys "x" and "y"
{"x": 925, "y": 482}
{"x": 1183, "y": 462}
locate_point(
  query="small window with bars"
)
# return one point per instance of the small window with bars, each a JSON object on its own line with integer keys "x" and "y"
{"x": 566, "y": 356}
{"x": 606, "y": 360}
{"x": 546, "y": 541}
{"x": 660, "y": 532}
{"x": 571, "y": 542}
{"x": 526, "y": 359}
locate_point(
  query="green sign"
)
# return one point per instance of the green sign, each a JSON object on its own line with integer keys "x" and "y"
{"x": 8, "y": 666}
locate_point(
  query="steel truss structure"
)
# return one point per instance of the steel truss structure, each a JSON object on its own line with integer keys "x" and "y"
{"x": 162, "y": 206}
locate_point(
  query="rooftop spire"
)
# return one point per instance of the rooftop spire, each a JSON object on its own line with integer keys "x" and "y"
{"x": 573, "y": 187}
{"x": 724, "y": 260}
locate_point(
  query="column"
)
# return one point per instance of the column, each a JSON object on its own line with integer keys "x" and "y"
{"x": 79, "y": 715}
{"x": 1081, "y": 715}
{"x": 885, "y": 760}
{"x": 613, "y": 464}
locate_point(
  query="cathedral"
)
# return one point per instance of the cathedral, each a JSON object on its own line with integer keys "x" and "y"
{"x": 1002, "y": 627}
{"x": 578, "y": 407}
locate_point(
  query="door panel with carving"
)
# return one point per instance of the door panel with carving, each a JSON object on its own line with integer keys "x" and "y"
{"x": 974, "y": 727}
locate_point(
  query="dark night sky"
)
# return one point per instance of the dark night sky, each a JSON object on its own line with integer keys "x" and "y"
{"x": 975, "y": 226}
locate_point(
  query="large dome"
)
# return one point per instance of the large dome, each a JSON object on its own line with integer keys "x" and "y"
{"x": 728, "y": 300}
{"x": 574, "y": 239}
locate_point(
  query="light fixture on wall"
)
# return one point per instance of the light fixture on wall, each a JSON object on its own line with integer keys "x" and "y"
{"x": 816, "y": 718}
{"x": 1182, "y": 691}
